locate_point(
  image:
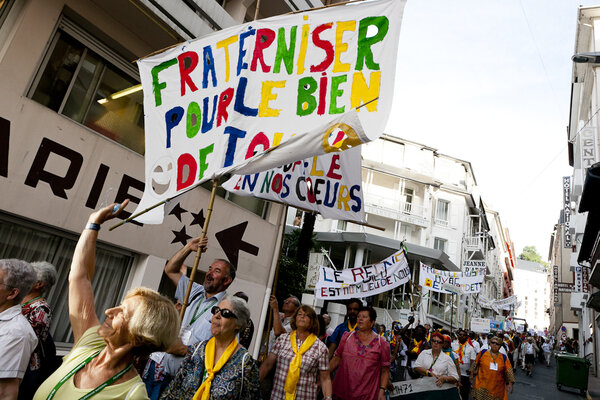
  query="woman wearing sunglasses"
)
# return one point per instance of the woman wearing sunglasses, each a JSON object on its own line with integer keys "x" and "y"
{"x": 434, "y": 362}
{"x": 301, "y": 358}
{"x": 219, "y": 368}
{"x": 494, "y": 372}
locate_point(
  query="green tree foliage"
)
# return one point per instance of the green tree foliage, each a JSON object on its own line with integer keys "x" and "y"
{"x": 530, "y": 254}
{"x": 292, "y": 272}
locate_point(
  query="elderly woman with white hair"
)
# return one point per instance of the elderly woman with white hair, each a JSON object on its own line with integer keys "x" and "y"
{"x": 17, "y": 339}
{"x": 101, "y": 362}
{"x": 218, "y": 368}
{"x": 39, "y": 314}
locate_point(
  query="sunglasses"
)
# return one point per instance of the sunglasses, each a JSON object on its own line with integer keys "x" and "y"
{"x": 225, "y": 313}
{"x": 437, "y": 341}
{"x": 499, "y": 344}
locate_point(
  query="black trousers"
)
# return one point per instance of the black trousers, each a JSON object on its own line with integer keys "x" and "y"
{"x": 465, "y": 388}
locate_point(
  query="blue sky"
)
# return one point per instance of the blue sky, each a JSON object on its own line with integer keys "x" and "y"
{"x": 489, "y": 82}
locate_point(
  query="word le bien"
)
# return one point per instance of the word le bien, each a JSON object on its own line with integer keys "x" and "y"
{"x": 203, "y": 119}
{"x": 307, "y": 188}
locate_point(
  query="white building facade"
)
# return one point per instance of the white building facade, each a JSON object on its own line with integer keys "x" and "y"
{"x": 428, "y": 200}
{"x": 532, "y": 287}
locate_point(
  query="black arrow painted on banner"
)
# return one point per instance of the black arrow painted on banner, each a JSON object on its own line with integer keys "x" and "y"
{"x": 231, "y": 242}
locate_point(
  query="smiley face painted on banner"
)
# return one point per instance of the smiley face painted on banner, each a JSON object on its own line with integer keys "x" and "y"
{"x": 340, "y": 137}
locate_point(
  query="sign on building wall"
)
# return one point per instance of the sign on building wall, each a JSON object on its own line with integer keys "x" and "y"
{"x": 567, "y": 210}
{"x": 588, "y": 147}
{"x": 585, "y": 279}
{"x": 578, "y": 279}
{"x": 555, "y": 283}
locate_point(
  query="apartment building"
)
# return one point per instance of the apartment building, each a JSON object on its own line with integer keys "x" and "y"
{"x": 532, "y": 287}
{"x": 428, "y": 200}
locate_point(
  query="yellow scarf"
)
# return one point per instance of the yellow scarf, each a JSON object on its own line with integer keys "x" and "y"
{"x": 203, "y": 392}
{"x": 461, "y": 351}
{"x": 293, "y": 374}
{"x": 352, "y": 328}
{"x": 417, "y": 346}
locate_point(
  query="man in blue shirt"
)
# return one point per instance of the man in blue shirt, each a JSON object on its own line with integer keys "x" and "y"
{"x": 195, "y": 326}
{"x": 352, "y": 307}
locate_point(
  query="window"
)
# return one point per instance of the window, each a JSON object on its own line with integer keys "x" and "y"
{"x": 342, "y": 226}
{"x": 442, "y": 212}
{"x": 25, "y": 241}
{"x": 82, "y": 79}
{"x": 440, "y": 244}
{"x": 408, "y": 195}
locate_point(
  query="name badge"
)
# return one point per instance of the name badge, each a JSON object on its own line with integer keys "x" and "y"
{"x": 493, "y": 366}
{"x": 186, "y": 336}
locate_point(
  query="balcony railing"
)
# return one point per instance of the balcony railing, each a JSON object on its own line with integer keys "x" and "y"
{"x": 473, "y": 243}
{"x": 395, "y": 209}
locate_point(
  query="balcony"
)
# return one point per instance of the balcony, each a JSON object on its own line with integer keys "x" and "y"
{"x": 396, "y": 210}
{"x": 473, "y": 243}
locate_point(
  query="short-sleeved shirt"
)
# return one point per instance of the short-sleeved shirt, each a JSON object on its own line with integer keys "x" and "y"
{"x": 468, "y": 355}
{"x": 89, "y": 344}
{"x": 359, "y": 372}
{"x": 339, "y": 332}
{"x": 314, "y": 360}
{"x": 196, "y": 319}
{"x": 442, "y": 366}
{"x": 17, "y": 342}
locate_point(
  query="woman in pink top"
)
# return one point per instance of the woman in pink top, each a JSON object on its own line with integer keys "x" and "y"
{"x": 363, "y": 358}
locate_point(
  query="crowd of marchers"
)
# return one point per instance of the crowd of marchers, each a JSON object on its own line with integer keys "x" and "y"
{"x": 144, "y": 350}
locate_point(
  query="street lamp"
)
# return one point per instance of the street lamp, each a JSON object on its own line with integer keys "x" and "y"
{"x": 591, "y": 58}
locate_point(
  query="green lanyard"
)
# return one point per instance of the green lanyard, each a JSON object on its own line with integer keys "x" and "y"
{"x": 30, "y": 301}
{"x": 196, "y": 315}
{"x": 95, "y": 391}
{"x": 433, "y": 363}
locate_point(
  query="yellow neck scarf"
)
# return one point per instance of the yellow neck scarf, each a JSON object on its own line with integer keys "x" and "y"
{"x": 417, "y": 346}
{"x": 294, "y": 372}
{"x": 203, "y": 392}
{"x": 352, "y": 328}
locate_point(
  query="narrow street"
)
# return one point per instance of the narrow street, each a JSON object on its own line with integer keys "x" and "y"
{"x": 542, "y": 385}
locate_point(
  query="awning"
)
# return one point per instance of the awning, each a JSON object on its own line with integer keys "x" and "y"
{"x": 590, "y": 202}
{"x": 374, "y": 242}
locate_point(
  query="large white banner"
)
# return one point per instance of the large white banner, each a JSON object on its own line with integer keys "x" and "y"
{"x": 499, "y": 304}
{"x": 363, "y": 281}
{"x": 329, "y": 184}
{"x": 469, "y": 281}
{"x": 213, "y": 103}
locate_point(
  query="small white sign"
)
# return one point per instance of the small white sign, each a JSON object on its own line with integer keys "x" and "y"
{"x": 480, "y": 325}
{"x": 451, "y": 288}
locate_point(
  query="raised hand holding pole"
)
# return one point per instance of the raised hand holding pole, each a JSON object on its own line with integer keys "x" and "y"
{"x": 199, "y": 251}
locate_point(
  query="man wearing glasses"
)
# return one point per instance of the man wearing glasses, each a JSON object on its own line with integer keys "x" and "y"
{"x": 195, "y": 325}
{"x": 17, "y": 338}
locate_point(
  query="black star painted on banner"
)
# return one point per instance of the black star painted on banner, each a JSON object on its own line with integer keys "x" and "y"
{"x": 181, "y": 237}
{"x": 198, "y": 219}
{"x": 177, "y": 211}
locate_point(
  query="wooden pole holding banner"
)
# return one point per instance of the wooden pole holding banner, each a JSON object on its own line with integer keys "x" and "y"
{"x": 199, "y": 251}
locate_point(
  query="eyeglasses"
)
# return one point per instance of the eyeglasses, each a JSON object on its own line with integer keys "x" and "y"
{"x": 225, "y": 313}
{"x": 437, "y": 341}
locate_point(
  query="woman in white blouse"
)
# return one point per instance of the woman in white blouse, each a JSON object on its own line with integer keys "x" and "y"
{"x": 434, "y": 362}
